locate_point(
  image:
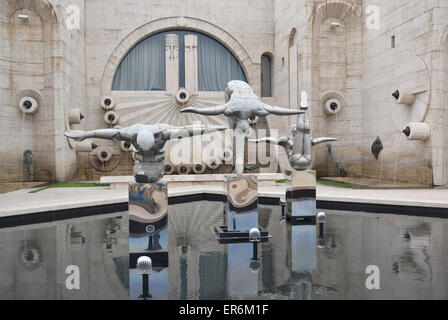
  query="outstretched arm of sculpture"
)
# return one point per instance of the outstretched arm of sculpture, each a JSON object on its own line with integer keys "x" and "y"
{"x": 279, "y": 111}
{"x": 109, "y": 134}
{"x": 282, "y": 141}
{"x": 209, "y": 111}
{"x": 322, "y": 140}
{"x": 262, "y": 112}
{"x": 190, "y": 131}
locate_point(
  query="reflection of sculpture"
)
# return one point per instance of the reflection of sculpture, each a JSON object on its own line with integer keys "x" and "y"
{"x": 147, "y": 203}
{"x": 298, "y": 147}
{"x": 242, "y": 192}
{"x": 241, "y": 105}
{"x": 149, "y": 141}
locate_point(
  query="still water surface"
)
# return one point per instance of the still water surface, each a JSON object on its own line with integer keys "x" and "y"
{"x": 410, "y": 252}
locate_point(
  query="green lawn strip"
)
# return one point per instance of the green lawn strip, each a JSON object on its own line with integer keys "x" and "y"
{"x": 280, "y": 181}
{"x": 72, "y": 185}
{"x": 334, "y": 183}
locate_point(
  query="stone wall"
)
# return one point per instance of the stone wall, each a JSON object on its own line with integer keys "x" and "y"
{"x": 371, "y": 72}
{"x": 74, "y": 68}
{"x": 114, "y": 27}
{"x": 40, "y": 58}
{"x": 385, "y": 68}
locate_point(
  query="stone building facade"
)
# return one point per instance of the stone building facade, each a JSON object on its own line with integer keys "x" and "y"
{"x": 65, "y": 54}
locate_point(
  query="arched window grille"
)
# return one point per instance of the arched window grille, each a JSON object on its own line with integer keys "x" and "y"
{"x": 144, "y": 66}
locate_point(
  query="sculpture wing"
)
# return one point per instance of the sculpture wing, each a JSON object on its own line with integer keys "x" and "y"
{"x": 77, "y": 135}
{"x": 282, "y": 141}
{"x": 209, "y": 111}
{"x": 322, "y": 139}
{"x": 109, "y": 134}
{"x": 280, "y": 111}
{"x": 190, "y": 131}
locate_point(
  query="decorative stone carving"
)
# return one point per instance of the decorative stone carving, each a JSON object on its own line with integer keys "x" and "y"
{"x": 417, "y": 131}
{"x": 181, "y": 22}
{"x": 332, "y": 102}
{"x": 75, "y": 116}
{"x": 111, "y": 117}
{"x": 172, "y": 61}
{"x": 298, "y": 147}
{"x": 107, "y": 103}
{"x": 404, "y": 96}
{"x": 183, "y": 96}
{"x": 191, "y": 63}
{"x": 28, "y": 105}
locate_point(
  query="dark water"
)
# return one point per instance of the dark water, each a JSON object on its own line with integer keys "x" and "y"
{"x": 411, "y": 254}
{"x": 34, "y": 258}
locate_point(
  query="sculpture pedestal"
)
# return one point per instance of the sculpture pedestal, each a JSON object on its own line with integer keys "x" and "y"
{"x": 148, "y": 236}
{"x": 301, "y": 197}
{"x": 242, "y": 202}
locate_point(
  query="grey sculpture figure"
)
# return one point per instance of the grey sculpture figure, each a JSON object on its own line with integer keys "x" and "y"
{"x": 241, "y": 105}
{"x": 149, "y": 142}
{"x": 298, "y": 147}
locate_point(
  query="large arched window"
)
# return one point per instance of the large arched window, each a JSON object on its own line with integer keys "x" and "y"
{"x": 175, "y": 59}
{"x": 266, "y": 75}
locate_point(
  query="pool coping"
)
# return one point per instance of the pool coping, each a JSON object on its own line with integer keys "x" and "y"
{"x": 120, "y": 206}
{"x": 275, "y": 194}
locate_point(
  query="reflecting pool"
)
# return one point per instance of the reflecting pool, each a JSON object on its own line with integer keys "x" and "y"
{"x": 410, "y": 252}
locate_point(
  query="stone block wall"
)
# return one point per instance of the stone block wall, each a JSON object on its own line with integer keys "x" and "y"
{"x": 373, "y": 70}
{"x": 76, "y": 68}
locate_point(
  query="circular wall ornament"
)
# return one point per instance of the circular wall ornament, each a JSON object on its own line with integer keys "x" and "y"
{"x": 107, "y": 103}
{"x": 182, "y": 96}
{"x": 111, "y": 117}
{"x": 332, "y": 102}
{"x": 28, "y": 105}
{"x": 104, "y": 155}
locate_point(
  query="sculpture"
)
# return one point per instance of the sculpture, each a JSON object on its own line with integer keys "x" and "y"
{"x": 149, "y": 142}
{"x": 298, "y": 147}
{"x": 241, "y": 105}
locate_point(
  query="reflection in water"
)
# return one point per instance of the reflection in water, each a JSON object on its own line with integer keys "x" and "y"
{"x": 410, "y": 269}
{"x": 242, "y": 198}
{"x": 148, "y": 238}
{"x": 34, "y": 259}
{"x": 409, "y": 251}
{"x": 242, "y": 280}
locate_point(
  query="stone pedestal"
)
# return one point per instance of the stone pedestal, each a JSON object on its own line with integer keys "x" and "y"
{"x": 301, "y": 196}
{"x": 242, "y": 202}
{"x": 148, "y": 236}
